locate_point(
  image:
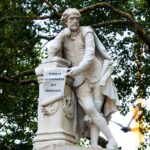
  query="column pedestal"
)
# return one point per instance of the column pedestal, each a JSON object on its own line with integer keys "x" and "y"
{"x": 57, "y": 120}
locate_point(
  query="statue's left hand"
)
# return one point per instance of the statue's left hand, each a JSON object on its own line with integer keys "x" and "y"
{"x": 74, "y": 71}
{"x": 66, "y": 32}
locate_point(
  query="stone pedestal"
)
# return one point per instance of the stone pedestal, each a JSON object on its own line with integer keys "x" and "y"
{"x": 56, "y": 121}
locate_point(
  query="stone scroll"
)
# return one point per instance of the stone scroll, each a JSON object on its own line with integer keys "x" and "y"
{"x": 54, "y": 85}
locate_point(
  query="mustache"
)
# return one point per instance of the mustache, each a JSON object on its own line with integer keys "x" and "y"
{"x": 75, "y": 24}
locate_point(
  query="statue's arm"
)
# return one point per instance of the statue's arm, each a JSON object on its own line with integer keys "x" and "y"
{"x": 89, "y": 52}
{"x": 56, "y": 44}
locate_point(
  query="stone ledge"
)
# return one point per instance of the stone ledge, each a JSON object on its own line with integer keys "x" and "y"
{"x": 68, "y": 147}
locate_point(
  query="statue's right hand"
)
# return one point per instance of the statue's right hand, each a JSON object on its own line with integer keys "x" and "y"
{"x": 73, "y": 71}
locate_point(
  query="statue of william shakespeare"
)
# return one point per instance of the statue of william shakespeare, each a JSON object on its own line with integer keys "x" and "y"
{"x": 90, "y": 68}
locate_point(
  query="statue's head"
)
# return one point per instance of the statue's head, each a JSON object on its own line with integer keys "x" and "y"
{"x": 71, "y": 18}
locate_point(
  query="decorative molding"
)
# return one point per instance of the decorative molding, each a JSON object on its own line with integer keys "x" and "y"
{"x": 68, "y": 106}
{"x": 51, "y": 109}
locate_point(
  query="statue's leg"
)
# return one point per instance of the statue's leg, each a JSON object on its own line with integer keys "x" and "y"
{"x": 101, "y": 124}
{"x": 94, "y": 134}
{"x": 85, "y": 98}
{"x": 98, "y": 102}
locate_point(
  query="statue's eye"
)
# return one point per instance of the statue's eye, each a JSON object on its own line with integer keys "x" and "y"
{"x": 71, "y": 18}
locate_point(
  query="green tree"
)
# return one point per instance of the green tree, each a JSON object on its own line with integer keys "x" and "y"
{"x": 122, "y": 26}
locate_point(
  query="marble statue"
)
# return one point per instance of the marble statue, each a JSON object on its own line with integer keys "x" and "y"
{"x": 75, "y": 87}
{"x": 91, "y": 69}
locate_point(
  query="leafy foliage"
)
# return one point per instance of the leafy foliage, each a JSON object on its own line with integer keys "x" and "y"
{"x": 26, "y": 24}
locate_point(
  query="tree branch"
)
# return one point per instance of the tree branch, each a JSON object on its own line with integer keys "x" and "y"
{"x": 15, "y": 79}
{"x": 27, "y": 72}
{"x": 2, "y": 124}
{"x": 112, "y": 22}
{"x": 3, "y": 19}
{"x": 108, "y": 6}
{"x": 53, "y": 16}
{"x": 12, "y": 80}
{"x": 23, "y": 82}
{"x": 138, "y": 28}
{"x": 30, "y": 18}
{"x": 6, "y": 79}
{"x": 140, "y": 31}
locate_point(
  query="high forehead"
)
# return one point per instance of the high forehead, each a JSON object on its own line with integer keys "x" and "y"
{"x": 71, "y": 11}
{"x": 73, "y": 16}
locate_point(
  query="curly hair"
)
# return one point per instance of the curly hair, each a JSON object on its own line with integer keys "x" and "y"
{"x": 69, "y": 12}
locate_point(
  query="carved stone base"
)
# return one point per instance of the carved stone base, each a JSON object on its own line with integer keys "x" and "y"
{"x": 51, "y": 138}
{"x": 67, "y": 147}
{"x": 56, "y": 112}
{"x": 56, "y": 129}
